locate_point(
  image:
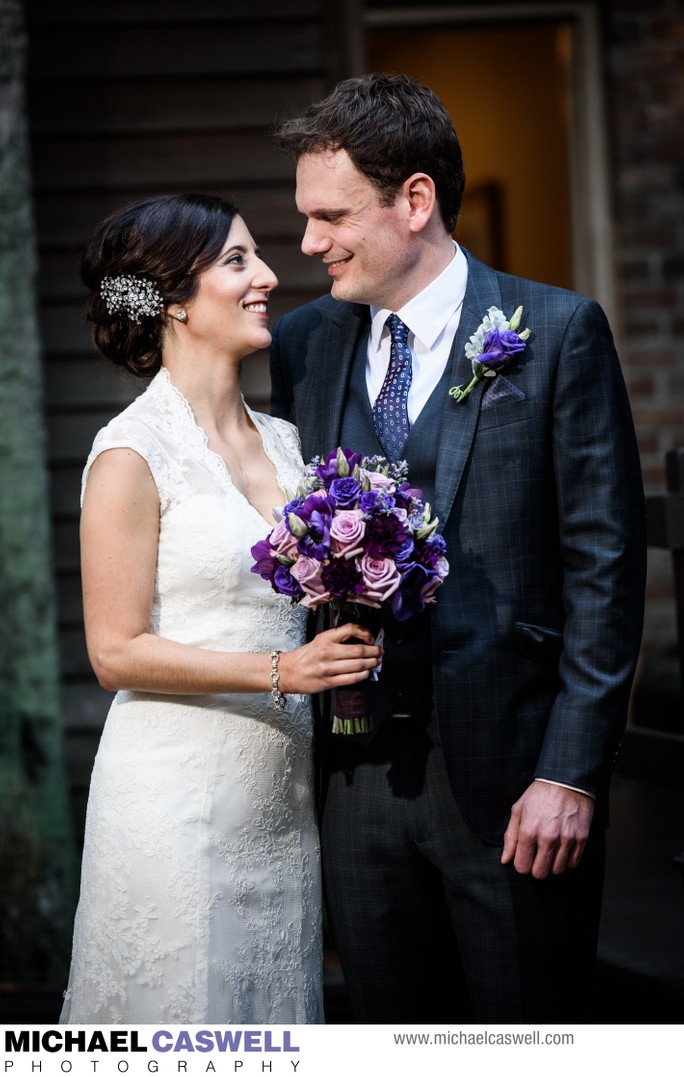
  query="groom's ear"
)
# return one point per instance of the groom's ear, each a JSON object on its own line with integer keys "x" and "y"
{"x": 420, "y": 198}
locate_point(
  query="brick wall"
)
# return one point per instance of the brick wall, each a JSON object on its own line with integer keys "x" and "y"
{"x": 645, "y": 80}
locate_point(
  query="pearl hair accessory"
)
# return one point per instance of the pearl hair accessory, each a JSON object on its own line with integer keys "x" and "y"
{"x": 133, "y": 296}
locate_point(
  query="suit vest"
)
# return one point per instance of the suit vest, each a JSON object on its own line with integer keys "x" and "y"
{"x": 405, "y": 682}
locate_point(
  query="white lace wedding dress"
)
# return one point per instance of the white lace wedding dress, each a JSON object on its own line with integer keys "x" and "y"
{"x": 200, "y": 888}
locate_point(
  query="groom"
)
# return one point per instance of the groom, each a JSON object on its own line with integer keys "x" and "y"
{"x": 463, "y": 837}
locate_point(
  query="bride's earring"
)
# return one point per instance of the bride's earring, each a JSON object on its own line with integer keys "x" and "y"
{"x": 182, "y": 315}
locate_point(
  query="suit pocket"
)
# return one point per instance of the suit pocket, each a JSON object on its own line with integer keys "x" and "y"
{"x": 505, "y": 414}
{"x": 500, "y": 391}
{"x": 538, "y": 642}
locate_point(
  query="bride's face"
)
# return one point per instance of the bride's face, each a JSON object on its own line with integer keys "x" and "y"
{"x": 230, "y": 309}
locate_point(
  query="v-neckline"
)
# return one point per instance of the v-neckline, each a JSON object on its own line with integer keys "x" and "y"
{"x": 203, "y": 438}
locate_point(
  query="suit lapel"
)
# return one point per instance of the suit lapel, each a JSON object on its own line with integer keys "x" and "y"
{"x": 459, "y": 421}
{"x": 333, "y": 350}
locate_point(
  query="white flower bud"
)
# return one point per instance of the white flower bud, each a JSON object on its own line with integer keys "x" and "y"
{"x": 297, "y": 525}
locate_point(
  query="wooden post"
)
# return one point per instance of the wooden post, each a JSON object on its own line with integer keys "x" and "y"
{"x": 36, "y": 860}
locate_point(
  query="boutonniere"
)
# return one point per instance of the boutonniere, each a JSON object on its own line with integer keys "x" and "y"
{"x": 494, "y": 344}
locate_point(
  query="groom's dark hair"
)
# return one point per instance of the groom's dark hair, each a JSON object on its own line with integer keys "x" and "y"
{"x": 390, "y": 126}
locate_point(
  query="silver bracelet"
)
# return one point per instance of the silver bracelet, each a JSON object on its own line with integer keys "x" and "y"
{"x": 276, "y": 695}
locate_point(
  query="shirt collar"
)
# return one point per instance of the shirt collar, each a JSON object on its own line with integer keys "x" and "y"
{"x": 427, "y": 313}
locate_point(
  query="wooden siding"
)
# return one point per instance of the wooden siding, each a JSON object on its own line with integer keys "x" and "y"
{"x": 127, "y": 99}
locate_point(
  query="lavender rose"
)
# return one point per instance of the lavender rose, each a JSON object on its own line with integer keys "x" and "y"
{"x": 378, "y": 481}
{"x": 306, "y": 572}
{"x": 381, "y": 579}
{"x": 346, "y": 533}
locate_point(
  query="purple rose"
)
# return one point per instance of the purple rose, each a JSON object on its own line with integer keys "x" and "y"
{"x": 500, "y": 345}
{"x": 292, "y": 506}
{"x": 346, "y": 533}
{"x": 380, "y": 577}
{"x": 405, "y": 555}
{"x": 368, "y": 502}
{"x": 345, "y": 492}
{"x": 284, "y": 582}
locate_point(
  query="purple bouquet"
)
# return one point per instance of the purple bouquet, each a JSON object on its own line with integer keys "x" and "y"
{"x": 355, "y": 534}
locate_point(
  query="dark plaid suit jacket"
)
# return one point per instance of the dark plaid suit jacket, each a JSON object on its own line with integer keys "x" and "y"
{"x": 536, "y": 630}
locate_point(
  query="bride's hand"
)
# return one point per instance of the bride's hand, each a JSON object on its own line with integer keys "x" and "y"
{"x": 330, "y": 661}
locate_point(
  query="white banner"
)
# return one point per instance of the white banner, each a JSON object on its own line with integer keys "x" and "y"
{"x": 336, "y": 1050}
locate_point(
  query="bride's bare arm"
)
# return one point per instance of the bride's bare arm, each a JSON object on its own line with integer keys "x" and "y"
{"x": 119, "y": 539}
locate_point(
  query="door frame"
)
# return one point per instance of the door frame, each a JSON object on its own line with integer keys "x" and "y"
{"x": 591, "y": 224}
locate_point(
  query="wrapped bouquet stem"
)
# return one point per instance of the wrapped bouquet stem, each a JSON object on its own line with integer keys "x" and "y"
{"x": 357, "y": 536}
{"x": 353, "y": 703}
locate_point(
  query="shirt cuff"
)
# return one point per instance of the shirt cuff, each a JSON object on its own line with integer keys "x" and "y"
{"x": 547, "y": 781}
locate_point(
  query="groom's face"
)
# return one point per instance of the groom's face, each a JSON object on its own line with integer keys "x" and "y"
{"x": 366, "y": 247}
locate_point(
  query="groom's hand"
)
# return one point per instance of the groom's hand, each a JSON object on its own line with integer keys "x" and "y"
{"x": 548, "y": 830}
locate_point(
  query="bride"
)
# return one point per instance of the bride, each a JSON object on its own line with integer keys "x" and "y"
{"x": 200, "y": 888}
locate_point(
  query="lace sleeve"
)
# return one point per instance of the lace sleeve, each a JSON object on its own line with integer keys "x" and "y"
{"x": 129, "y": 433}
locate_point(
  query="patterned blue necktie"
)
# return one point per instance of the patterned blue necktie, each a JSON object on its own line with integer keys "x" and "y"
{"x": 390, "y": 412}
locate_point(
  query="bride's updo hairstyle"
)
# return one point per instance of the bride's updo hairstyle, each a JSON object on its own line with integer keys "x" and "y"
{"x": 142, "y": 259}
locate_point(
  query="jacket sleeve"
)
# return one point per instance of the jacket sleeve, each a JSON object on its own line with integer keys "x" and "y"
{"x": 601, "y": 525}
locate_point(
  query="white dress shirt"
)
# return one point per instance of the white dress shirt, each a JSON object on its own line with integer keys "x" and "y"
{"x": 432, "y": 317}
